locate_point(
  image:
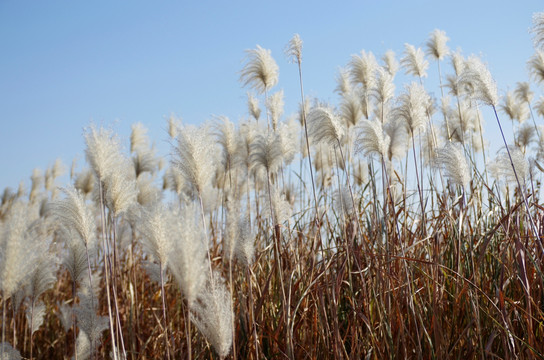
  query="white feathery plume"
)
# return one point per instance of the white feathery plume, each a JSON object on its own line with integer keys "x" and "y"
{"x": 253, "y": 106}
{"x": 260, "y": 71}
{"x": 74, "y": 258}
{"x": 138, "y": 137}
{"x": 458, "y": 62}
{"x": 414, "y": 62}
{"x": 324, "y": 126}
{"x": 34, "y": 316}
{"x": 538, "y": 29}
{"x": 390, "y": 63}
{"x": 539, "y": 106}
{"x": 289, "y": 138}
{"x": 350, "y": 109}
{"x": 173, "y": 126}
{"x": 274, "y": 105}
{"x": 121, "y": 190}
{"x": 398, "y": 144}
{"x": 501, "y": 168}
{"x": 479, "y": 82}
{"x": 385, "y": 87}
{"x": 36, "y": 181}
{"x": 73, "y": 214}
{"x": 536, "y": 66}
{"x": 194, "y": 157}
{"x": 343, "y": 85}
{"x": 103, "y": 151}
{"x": 148, "y": 193}
{"x": 436, "y": 45}
{"x": 84, "y": 182}
{"x": 212, "y": 314}
{"x": 412, "y": 107}
{"x": 144, "y": 160}
{"x": 342, "y": 201}
{"x": 525, "y": 135}
{"x": 225, "y": 133}
{"x": 158, "y": 226}
{"x": 266, "y": 153}
{"x": 293, "y": 49}
{"x": 87, "y": 319}
{"x": 280, "y": 207}
{"x": 362, "y": 70}
{"x": 452, "y": 159}
{"x": 187, "y": 260}
{"x": 513, "y": 108}
{"x": 523, "y": 92}
{"x": 371, "y": 139}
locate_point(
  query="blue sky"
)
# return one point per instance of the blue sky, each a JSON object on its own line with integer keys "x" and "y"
{"x": 67, "y": 64}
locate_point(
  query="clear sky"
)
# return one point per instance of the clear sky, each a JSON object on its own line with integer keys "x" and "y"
{"x": 67, "y": 64}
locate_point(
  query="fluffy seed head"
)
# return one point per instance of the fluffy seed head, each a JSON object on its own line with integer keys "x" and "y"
{"x": 324, "y": 126}
{"x": 294, "y": 49}
{"x": 371, "y": 139}
{"x": 412, "y": 107}
{"x": 477, "y": 81}
{"x": 362, "y": 69}
{"x": 260, "y": 71}
{"x": 538, "y": 29}
{"x": 390, "y": 62}
{"x": 414, "y": 62}
{"x": 454, "y": 163}
{"x": 436, "y": 45}
{"x": 523, "y": 92}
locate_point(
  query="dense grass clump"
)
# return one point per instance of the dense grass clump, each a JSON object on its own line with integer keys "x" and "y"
{"x": 380, "y": 227}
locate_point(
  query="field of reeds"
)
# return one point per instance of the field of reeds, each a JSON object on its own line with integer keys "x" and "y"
{"x": 379, "y": 227}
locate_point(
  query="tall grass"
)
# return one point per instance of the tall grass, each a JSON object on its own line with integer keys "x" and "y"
{"x": 407, "y": 244}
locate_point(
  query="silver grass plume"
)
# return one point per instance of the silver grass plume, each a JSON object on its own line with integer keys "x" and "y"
{"x": 194, "y": 157}
{"x": 343, "y": 85}
{"x": 144, "y": 160}
{"x": 72, "y": 213}
{"x": 148, "y": 193}
{"x": 501, "y": 168}
{"x": 536, "y": 66}
{"x": 479, "y": 82}
{"x": 362, "y": 70}
{"x": 412, "y": 107}
{"x": 212, "y": 314}
{"x": 324, "y": 126}
{"x": 158, "y": 226}
{"x": 19, "y": 249}
{"x": 523, "y": 92}
{"x": 174, "y": 125}
{"x": 121, "y": 190}
{"x": 35, "y": 315}
{"x": 513, "y": 108}
{"x": 538, "y": 29}
{"x": 289, "y": 138}
{"x": 266, "y": 153}
{"x": 187, "y": 260}
{"x": 350, "y": 109}
{"x": 103, "y": 151}
{"x": 239, "y": 241}
{"x": 525, "y": 135}
{"x": 36, "y": 181}
{"x": 452, "y": 159}
{"x": 74, "y": 257}
{"x": 384, "y": 89}
{"x": 539, "y": 106}
{"x": 342, "y": 201}
{"x": 436, "y": 45}
{"x": 360, "y": 172}
{"x": 260, "y": 71}
{"x": 390, "y": 62}
{"x": 414, "y": 62}
{"x": 372, "y": 140}
{"x": 280, "y": 207}
{"x": 225, "y": 133}
{"x": 138, "y": 137}
{"x": 293, "y": 49}
{"x": 458, "y": 62}
{"x": 398, "y": 144}
{"x": 87, "y": 319}
{"x": 274, "y": 105}
{"x": 253, "y": 106}
{"x": 84, "y": 182}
